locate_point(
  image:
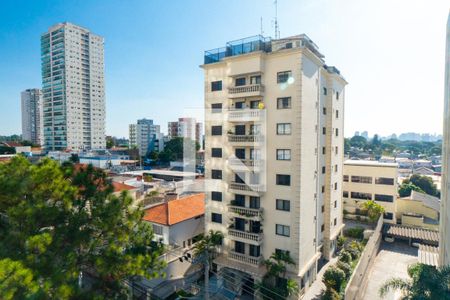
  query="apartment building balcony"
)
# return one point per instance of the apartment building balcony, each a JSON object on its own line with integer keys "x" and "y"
{"x": 250, "y": 138}
{"x": 245, "y": 115}
{"x": 244, "y": 164}
{"x": 246, "y": 212}
{"x": 245, "y": 258}
{"x": 254, "y": 238}
{"x": 250, "y": 90}
{"x": 237, "y": 187}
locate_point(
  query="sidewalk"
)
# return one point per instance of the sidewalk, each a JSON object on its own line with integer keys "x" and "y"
{"x": 317, "y": 288}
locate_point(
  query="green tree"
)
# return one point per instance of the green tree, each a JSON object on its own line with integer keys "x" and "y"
{"x": 173, "y": 149}
{"x": 333, "y": 278}
{"x": 425, "y": 282}
{"x": 358, "y": 142}
{"x": 61, "y": 223}
{"x": 109, "y": 142}
{"x": 206, "y": 250}
{"x": 405, "y": 189}
{"x": 425, "y": 183}
{"x": 374, "y": 210}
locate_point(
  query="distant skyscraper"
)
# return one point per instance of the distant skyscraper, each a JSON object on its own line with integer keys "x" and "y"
{"x": 73, "y": 88}
{"x": 444, "y": 244}
{"x": 146, "y": 136}
{"x": 365, "y": 135}
{"x": 186, "y": 128}
{"x": 32, "y": 116}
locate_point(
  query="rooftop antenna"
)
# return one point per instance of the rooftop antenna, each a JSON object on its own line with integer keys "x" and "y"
{"x": 277, "y": 29}
{"x": 262, "y": 31}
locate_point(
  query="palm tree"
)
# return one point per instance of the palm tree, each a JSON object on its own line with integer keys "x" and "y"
{"x": 207, "y": 248}
{"x": 426, "y": 282}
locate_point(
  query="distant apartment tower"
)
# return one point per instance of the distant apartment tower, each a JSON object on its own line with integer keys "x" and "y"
{"x": 146, "y": 136}
{"x": 73, "y": 88}
{"x": 444, "y": 243}
{"x": 32, "y": 130}
{"x": 274, "y": 153}
{"x": 186, "y": 128}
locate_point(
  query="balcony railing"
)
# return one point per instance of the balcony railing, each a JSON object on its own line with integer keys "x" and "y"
{"x": 246, "y": 211}
{"x": 251, "y": 138}
{"x": 246, "y": 162}
{"x": 244, "y": 258}
{"x": 252, "y": 88}
{"x": 242, "y": 115}
{"x": 246, "y": 187}
{"x": 256, "y": 237}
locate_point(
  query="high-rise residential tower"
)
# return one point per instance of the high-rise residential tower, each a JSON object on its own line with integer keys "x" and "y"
{"x": 73, "y": 88}
{"x": 274, "y": 154}
{"x": 444, "y": 243}
{"x": 146, "y": 136}
{"x": 186, "y": 128}
{"x": 32, "y": 130}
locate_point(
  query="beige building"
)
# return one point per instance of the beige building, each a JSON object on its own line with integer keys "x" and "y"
{"x": 444, "y": 244}
{"x": 369, "y": 180}
{"x": 418, "y": 210}
{"x": 273, "y": 152}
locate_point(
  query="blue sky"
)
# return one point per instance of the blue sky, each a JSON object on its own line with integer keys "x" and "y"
{"x": 391, "y": 53}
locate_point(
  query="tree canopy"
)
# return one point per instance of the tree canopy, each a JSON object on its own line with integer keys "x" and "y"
{"x": 62, "y": 223}
{"x": 419, "y": 183}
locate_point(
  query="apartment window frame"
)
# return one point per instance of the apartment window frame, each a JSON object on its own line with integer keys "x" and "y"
{"x": 345, "y": 194}
{"x": 284, "y": 103}
{"x": 361, "y": 196}
{"x": 361, "y": 179}
{"x": 240, "y": 81}
{"x": 283, "y": 76}
{"x": 284, "y": 128}
{"x": 216, "y": 130}
{"x": 216, "y": 218}
{"x": 157, "y": 229}
{"x": 216, "y": 108}
{"x": 216, "y": 196}
{"x": 283, "y": 179}
{"x": 384, "y": 181}
{"x": 384, "y": 198}
{"x": 283, "y": 154}
{"x": 216, "y": 86}
{"x": 283, "y": 205}
{"x": 216, "y": 152}
{"x": 216, "y": 174}
{"x": 282, "y": 230}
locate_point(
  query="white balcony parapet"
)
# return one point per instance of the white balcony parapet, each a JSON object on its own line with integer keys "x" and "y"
{"x": 246, "y": 187}
{"x": 244, "y": 115}
{"x": 256, "y": 237}
{"x": 244, "y": 258}
{"x": 246, "y": 89}
{"x": 245, "y": 162}
{"x": 251, "y": 138}
{"x": 246, "y": 211}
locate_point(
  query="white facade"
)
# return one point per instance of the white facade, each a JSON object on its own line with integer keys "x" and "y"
{"x": 73, "y": 88}
{"x": 276, "y": 112}
{"x": 186, "y": 128}
{"x": 146, "y": 136}
{"x": 32, "y": 129}
{"x": 444, "y": 243}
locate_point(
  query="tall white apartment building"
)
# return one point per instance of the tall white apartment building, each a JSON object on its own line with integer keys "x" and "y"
{"x": 444, "y": 243}
{"x": 146, "y": 136}
{"x": 186, "y": 128}
{"x": 273, "y": 154}
{"x": 32, "y": 130}
{"x": 73, "y": 88}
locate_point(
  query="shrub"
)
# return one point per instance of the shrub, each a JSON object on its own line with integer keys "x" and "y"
{"x": 341, "y": 241}
{"x": 357, "y": 245}
{"x": 353, "y": 252}
{"x": 356, "y": 232}
{"x": 331, "y": 294}
{"x": 345, "y": 256}
{"x": 345, "y": 267}
{"x": 333, "y": 278}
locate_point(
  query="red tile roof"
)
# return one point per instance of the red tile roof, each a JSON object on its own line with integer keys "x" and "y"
{"x": 119, "y": 187}
{"x": 176, "y": 211}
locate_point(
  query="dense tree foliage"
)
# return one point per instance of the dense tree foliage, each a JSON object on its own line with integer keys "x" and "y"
{"x": 60, "y": 224}
{"x": 173, "y": 149}
{"x": 374, "y": 210}
{"x": 425, "y": 282}
{"x": 419, "y": 183}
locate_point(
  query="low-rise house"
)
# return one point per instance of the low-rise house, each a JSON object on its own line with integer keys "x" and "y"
{"x": 419, "y": 210}
{"x": 369, "y": 180}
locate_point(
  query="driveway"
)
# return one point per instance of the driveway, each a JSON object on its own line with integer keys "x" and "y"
{"x": 392, "y": 260}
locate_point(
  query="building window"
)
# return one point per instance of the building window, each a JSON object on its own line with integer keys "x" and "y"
{"x": 284, "y": 103}
{"x": 324, "y": 130}
{"x": 216, "y": 218}
{"x": 216, "y": 86}
{"x": 283, "y": 77}
{"x": 216, "y": 152}
{"x": 324, "y": 110}
{"x": 240, "y": 81}
{"x": 323, "y": 170}
{"x": 384, "y": 180}
{"x": 325, "y": 92}
{"x": 284, "y": 205}
{"x": 322, "y": 228}
{"x": 337, "y": 113}
{"x": 255, "y": 202}
{"x": 384, "y": 198}
{"x": 388, "y": 216}
{"x": 216, "y": 130}
{"x": 284, "y": 128}
{"x": 157, "y": 229}
{"x": 216, "y": 196}
{"x": 323, "y": 208}
{"x": 255, "y": 79}
{"x": 337, "y": 132}
{"x": 336, "y": 150}
{"x": 216, "y": 174}
{"x": 282, "y": 230}
{"x": 345, "y": 178}
{"x": 324, "y": 150}
{"x": 362, "y": 196}
{"x": 345, "y": 194}
{"x": 216, "y": 107}
{"x": 283, "y": 154}
{"x": 335, "y": 204}
{"x": 337, "y": 95}
{"x": 362, "y": 179}
{"x": 280, "y": 252}
{"x": 335, "y": 168}
{"x": 239, "y": 247}
{"x": 323, "y": 189}
{"x": 255, "y": 104}
{"x": 335, "y": 186}
{"x": 335, "y": 221}
{"x": 283, "y": 179}
{"x": 255, "y": 251}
